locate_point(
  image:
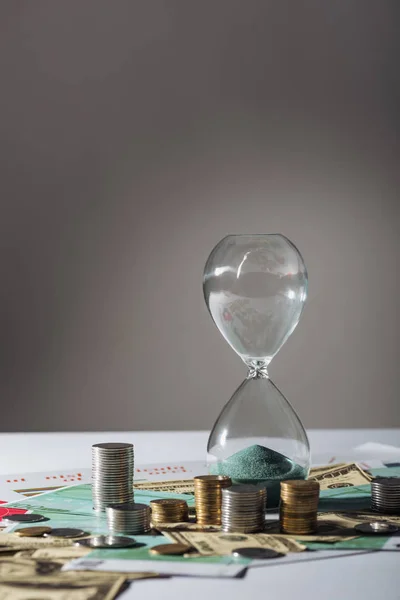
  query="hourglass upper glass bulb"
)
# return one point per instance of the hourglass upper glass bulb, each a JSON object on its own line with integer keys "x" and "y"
{"x": 255, "y": 288}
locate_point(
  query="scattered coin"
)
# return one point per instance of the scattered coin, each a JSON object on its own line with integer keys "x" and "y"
{"x": 376, "y": 527}
{"x": 176, "y": 549}
{"x": 32, "y": 531}
{"x": 107, "y": 541}
{"x": 25, "y": 518}
{"x": 65, "y": 532}
{"x": 256, "y": 553}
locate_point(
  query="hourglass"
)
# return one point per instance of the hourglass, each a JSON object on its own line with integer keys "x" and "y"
{"x": 255, "y": 287}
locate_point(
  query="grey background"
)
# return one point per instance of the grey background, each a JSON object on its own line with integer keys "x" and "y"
{"x": 134, "y": 136}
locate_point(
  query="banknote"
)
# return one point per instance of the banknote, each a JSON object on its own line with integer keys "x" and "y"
{"x": 323, "y": 468}
{"x": 10, "y": 550}
{"x": 10, "y": 540}
{"x": 328, "y": 533}
{"x": 60, "y": 557}
{"x": 347, "y": 475}
{"x": 89, "y": 586}
{"x": 349, "y": 519}
{"x": 177, "y": 486}
{"x": 223, "y": 543}
{"x": 187, "y": 526}
{"x": 55, "y": 554}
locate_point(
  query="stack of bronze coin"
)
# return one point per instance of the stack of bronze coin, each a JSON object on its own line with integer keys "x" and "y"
{"x": 168, "y": 510}
{"x": 208, "y": 496}
{"x": 299, "y": 506}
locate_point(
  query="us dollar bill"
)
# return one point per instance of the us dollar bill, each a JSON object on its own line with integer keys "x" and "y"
{"x": 177, "y": 486}
{"x": 187, "y": 526}
{"x": 89, "y": 586}
{"x": 10, "y": 540}
{"x": 54, "y": 554}
{"x": 345, "y": 475}
{"x": 346, "y": 520}
{"x": 323, "y": 468}
{"x": 221, "y": 543}
{"x": 58, "y": 557}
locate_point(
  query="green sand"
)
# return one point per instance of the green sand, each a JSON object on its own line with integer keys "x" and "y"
{"x": 257, "y": 464}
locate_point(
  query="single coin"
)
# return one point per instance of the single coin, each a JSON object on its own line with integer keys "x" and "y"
{"x": 376, "y": 527}
{"x": 113, "y": 446}
{"x": 392, "y": 481}
{"x": 107, "y": 541}
{"x": 177, "y": 549}
{"x": 32, "y": 531}
{"x": 65, "y": 532}
{"x": 129, "y": 507}
{"x": 256, "y": 553}
{"x": 25, "y": 518}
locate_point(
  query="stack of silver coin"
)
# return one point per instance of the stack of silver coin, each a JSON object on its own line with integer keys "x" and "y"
{"x": 112, "y": 474}
{"x": 385, "y": 495}
{"x": 243, "y": 508}
{"x": 128, "y": 518}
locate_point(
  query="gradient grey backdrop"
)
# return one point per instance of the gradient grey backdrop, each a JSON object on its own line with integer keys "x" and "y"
{"x": 136, "y": 134}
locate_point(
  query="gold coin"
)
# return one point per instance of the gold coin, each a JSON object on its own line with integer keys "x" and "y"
{"x": 32, "y": 531}
{"x": 176, "y": 549}
{"x": 167, "y": 502}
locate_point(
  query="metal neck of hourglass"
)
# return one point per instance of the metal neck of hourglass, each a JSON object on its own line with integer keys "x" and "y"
{"x": 257, "y": 369}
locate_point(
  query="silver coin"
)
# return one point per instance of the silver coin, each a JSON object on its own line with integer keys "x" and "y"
{"x": 107, "y": 541}
{"x": 256, "y": 553}
{"x": 113, "y": 446}
{"x": 393, "y": 482}
{"x": 25, "y": 518}
{"x": 65, "y": 532}
{"x": 376, "y": 527}
{"x": 130, "y": 507}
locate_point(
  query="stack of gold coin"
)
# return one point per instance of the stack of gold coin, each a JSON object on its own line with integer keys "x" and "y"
{"x": 208, "y": 497}
{"x": 299, "y": 506}
{"x": 168, "y": 510}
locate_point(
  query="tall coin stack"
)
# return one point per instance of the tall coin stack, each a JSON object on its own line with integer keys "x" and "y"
{"x": 385, "y": 495}
{"x": 208, "y": 497}
{"x": 168, "y": 510}
{"x": 112, "y": 474}
{"x": 299, "y": 506}
{"x": 243, "y": 508}
{"x": 128, "y": 518}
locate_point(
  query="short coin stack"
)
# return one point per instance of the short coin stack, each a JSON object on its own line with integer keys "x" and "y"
{"x": 243, "y": 508}
{"x": 299, "y": 506}
{"x": 112, "y": 474}
{"x": 169, "y": 510}
{"x": 208, "y": 497}
{"x": 385, "y": 495}
{"x": 128, "y": 518}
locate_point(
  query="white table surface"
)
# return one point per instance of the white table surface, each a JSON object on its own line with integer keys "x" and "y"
{"x": 355, "y": 576}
